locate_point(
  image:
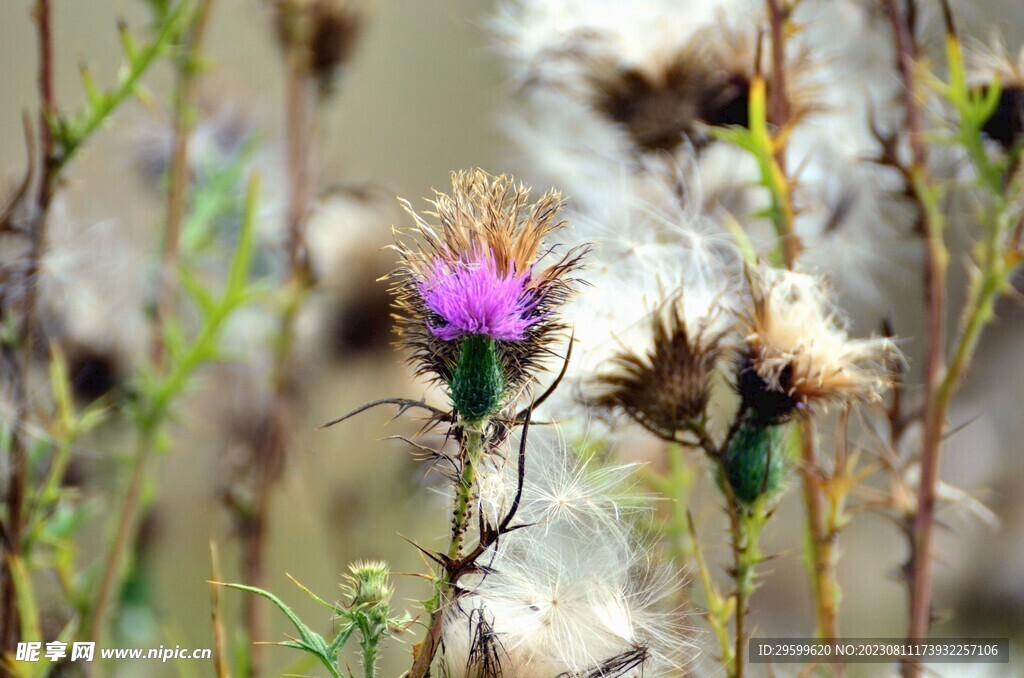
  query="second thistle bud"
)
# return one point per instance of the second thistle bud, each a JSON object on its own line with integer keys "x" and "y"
{"x": 756, "y": 461}
{"x": 477, "y": 384}
{"x": 369, "y": 583}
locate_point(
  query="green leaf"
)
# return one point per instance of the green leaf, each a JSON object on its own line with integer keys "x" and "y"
{"x": 238, "y": 270}
{"x": 305, "y": 633}
{"x": 333, "y": 608}
{"x": 28, "y": 611}
{"x": 339, "y": 640}
{"x": 202, "y": 297}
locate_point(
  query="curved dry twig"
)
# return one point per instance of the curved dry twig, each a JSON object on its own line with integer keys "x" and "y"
{"x": 522, "y": 414}
{"x": 404, "y": 405}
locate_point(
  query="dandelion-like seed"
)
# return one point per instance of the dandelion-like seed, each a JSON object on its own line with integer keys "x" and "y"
{"x": 798, "y": 354}
{"x": 573, "y": 595}
{"x": 668, "y": 388}
{"x": 796, "y": 358}
{"x": 478, "y": 304}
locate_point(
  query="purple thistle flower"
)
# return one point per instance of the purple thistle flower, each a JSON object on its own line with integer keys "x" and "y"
{"x": 476, "y": 298}
{"x": 483, "y": 270}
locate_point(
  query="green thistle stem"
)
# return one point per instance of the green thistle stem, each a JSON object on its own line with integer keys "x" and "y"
{"x": 371, "y": 632}
{"x": 677, "y": 486}
{"x": 472, "y": 451}
{"x": 747, "y": 526}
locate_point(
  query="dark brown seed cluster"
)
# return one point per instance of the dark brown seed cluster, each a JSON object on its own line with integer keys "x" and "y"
{"x": 1006, "y": 124}
{"x": 321, "y": 33}
{"x": 706, "y": 83}
{"x": 669, "y": 387}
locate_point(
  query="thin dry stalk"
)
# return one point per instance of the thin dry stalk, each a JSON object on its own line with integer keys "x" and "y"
{"x": 825, "y": 612}
{"x": 739, "y": 593}
{"x": 220, "y": 657}
{"x": 270, "y": 458}
{"x": 127, "y": 519}
{"x": 778, "y": 19}
{"x": 46, "y": 184}
{"x": 185, "y": 98}
{"x": 935, "y": 256}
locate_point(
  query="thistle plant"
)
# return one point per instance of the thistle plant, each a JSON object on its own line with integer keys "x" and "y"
{"x": 366, "y": 614}
{"x": 997, "y": 183}
{"x": 478, "y": 312}
{"x": 791, "y": 358}
{"x": 722, "y": 219}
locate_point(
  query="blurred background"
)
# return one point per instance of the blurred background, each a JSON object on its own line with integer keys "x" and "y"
{"x": 422, "y": 96}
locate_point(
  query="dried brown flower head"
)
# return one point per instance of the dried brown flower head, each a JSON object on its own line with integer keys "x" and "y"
{"x": 484, "y": 268}
{"x": 322, "y": 33}
{"x": 668, "y": 388}
{"x": 797, "y": 352}
{"x": 704, "y": 83}
{"x": 656, "y": 108}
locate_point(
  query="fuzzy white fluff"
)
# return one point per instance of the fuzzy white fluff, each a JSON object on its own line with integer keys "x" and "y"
{"x": 562, "y": 140}
{"x": 574, "y": 593}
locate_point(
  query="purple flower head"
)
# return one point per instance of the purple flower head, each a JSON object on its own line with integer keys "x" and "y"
{"x": 476, "y": 298}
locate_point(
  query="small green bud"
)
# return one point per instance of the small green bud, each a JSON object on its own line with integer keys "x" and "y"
{"x": 477, "y": 384}
{"x": 370, "y": 583}
{"x": 756, "y": 462}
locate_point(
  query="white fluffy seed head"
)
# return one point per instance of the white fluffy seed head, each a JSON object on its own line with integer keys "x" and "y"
{"x": 846, "y": 218}
{"x": 574, "y": 593}
{"x": 797, "y": 341}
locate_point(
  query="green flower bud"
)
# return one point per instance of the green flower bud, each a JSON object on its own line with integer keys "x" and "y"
{"x": 370, "y": 583}
{"x": 756, "y": 462}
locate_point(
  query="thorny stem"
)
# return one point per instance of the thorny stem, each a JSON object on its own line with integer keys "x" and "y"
{"x": 789, "y": 244}
{"x": 820, "y": 541}
{"x": 824, "y": 588}
{"x": 368, "y": 645}
{"x": 777, "y": 20}
{"x": 995, "y": 268}
{"x": 472, "y": 447}
{"x": 18, "y": 469}
{"x": 839, "y": 488}
{"x": 185, "y": 92}
{"x": 746, "y": 529}
{"x": 471, "y": 454}
{"x": 936, "y": 256}
{"x": 128, "y": 516}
